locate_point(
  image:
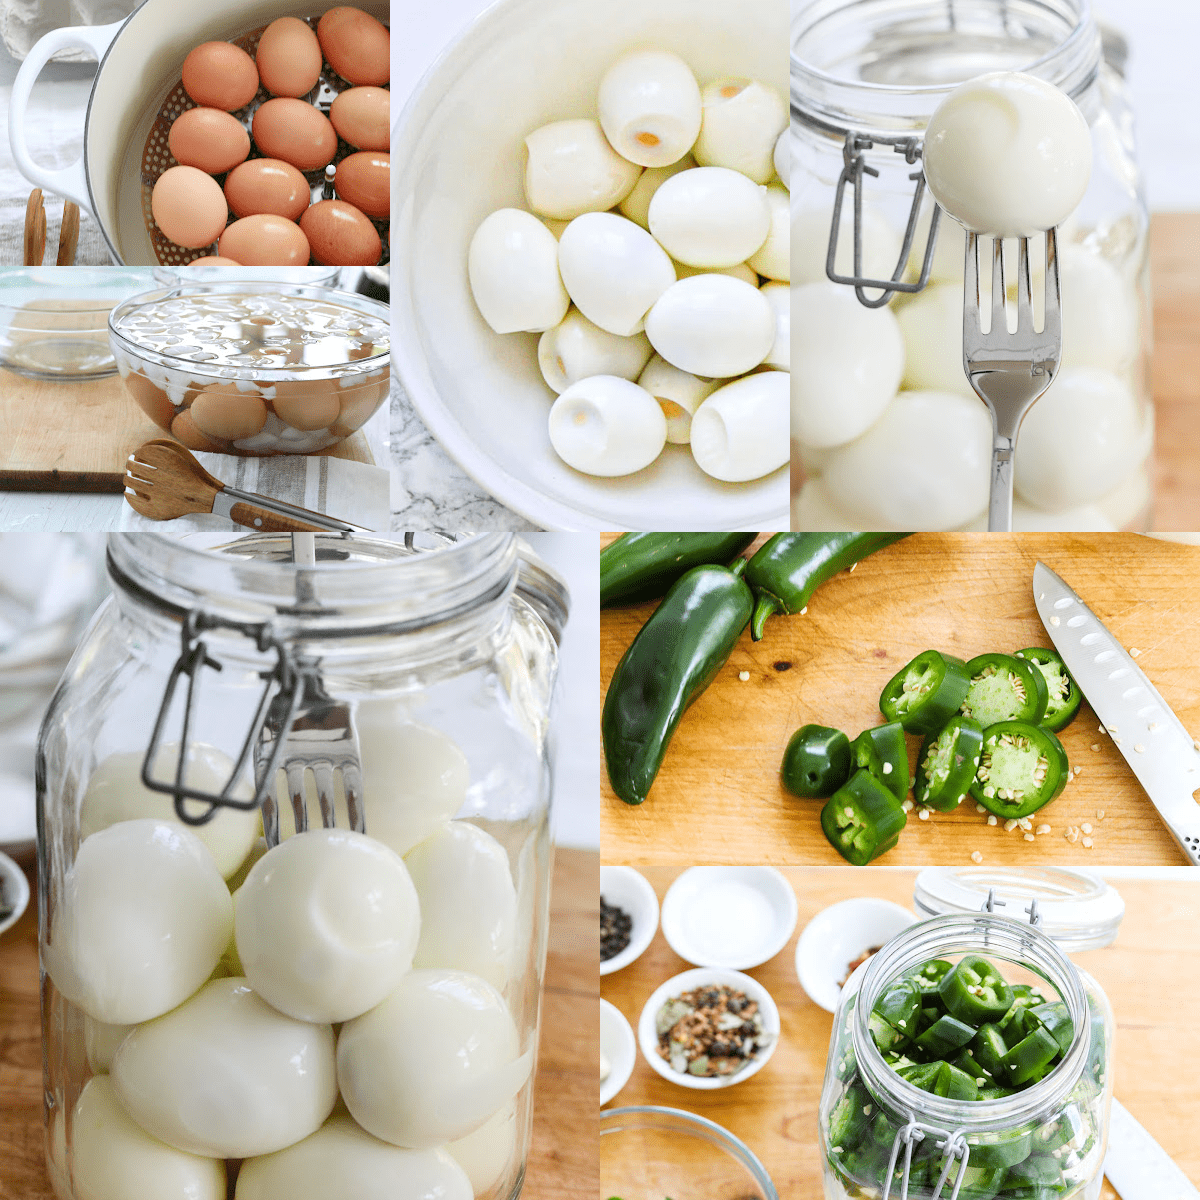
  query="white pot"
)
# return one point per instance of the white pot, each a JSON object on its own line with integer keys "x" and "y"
{"x": 460, "y": 139}
{"x": 141, "y": 59}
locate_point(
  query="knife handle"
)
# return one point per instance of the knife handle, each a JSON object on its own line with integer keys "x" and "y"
{"x": 254, "y": 517}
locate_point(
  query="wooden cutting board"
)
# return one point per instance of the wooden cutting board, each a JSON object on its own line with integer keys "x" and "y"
{"x": 75, "y": 437}
{"x": 718, "y": 798}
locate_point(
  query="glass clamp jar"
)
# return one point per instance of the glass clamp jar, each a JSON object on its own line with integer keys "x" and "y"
{"x": 358, "y": 999}
{"x": 889, "y": 433}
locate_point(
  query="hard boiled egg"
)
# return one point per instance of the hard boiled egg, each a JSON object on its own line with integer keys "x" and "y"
{"x": 571, "y": 169}
{"x": 576, "y": 349}
{"x": 221, "y": 410}
{"x": 101, "y": 1042}
{"x": 710, "y": 217}
{"x": 208, "y": 138}
{"x": 267, "y": 185}
{"x": 742, "y": 122}
{"x": 296, "y": 132}
{"x": 932, "y": 323}
{"x": 636, "y": 206}
{"x": 782, "y": 156}
{"x": 340, "y": 235}
{"x": 813, "y": 509}
{"x": 220, "y": 75}
{"x": 189, "y": 206}
{"x": 1099, "y": 312}
{"x": 486, "y": 1153}
{"x": 810, "y": 244}
{"x": 265, "y": 240}
{"x": 678, "y": 394}
{"x": 606, "y": 425}
{"x": 512, "y": 264}
{"x": 289, "y": 57}
{"x": 650, "y": 107}
{"x": 364, "y": 180}
{"x": 360, "y": 116}
{"x": 356, "y": 45}
{"x": 741, "y": 431}
{"x": 773, "y": 259}
{"x": 779, "y": 297}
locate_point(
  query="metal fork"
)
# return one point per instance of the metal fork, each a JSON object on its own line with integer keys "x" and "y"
{"x": 1009, "y": 371}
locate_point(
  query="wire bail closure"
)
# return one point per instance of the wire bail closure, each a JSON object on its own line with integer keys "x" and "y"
{"x": 953, "y": 1146}
{"x": 853, "y": 169}
{"x": 992, "y": 903}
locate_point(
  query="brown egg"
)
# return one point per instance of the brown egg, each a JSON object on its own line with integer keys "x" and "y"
{"x": 296, "y": 132}
{"x": 220, "y": 75}
{"x": 356, "y": 45}
{"x": 340, "y": 236}
{"x": 213, "y": 260}
{"x": 289, "y": 57}
{"x": 359, "y": 403}
{"x": 307, "y": 405}
{"x": 360, "y": 115}
{"x": 210, "y": 139}
{"x": 151, "y": 399}
{"x": 267, "y": 185}
{"x": 221, "y": 411}
{"x": 265, "y": 240}
{"x": 364, "y": 180}
{"x": 183, "y": 429}
{"x": 189, "y": 207}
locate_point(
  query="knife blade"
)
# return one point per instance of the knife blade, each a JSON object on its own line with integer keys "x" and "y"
{"x": 1138, "y": 1167}
{"x": 1162, "y": 753}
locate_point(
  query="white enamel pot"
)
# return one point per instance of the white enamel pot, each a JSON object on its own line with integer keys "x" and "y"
{"x": 521, "y": 64}
{"x": 140, "y": 62}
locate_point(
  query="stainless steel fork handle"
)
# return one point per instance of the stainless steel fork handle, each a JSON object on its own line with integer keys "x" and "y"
{"x": 1000, "y": 496}
{"x": 227, "y": 497}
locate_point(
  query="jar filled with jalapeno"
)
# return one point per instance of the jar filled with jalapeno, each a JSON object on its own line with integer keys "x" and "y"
{"x": 969, "y": 1050}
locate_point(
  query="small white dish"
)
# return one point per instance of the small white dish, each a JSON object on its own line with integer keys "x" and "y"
{"x": 618, "y": 1045}
{"x": 625, "y": 888}
{"x": 14, "y": 891}
{"x": 837, "y": 935}
{"x": 697, "y": 977}
{"x": 734, "y": 917}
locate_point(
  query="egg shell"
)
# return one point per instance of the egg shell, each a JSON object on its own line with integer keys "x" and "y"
{"x": 364, "y": 180}
{"x": 678, "y": 394}
{"x": 213, "y": 260}
{"x": 340, "y": 235}
{"x": 267, "y": 185}
{"x": 208, "y": 138}
{"x": 606, "y": 425}
{"x": 741, "y": 431}
{"x": 295, "y": 131}
{"x": 220, "y": 75}
{"x": 265, "y": 240}
{"x": 710, "y": 217}
{"x": 189, "y": 207}
{"x": 307, "y": 404}
{"x": 357, "y": 46}
{"x": 360, "y": 116}
{"x": 221, "y": 411}
{"x": 183, "y": 430}
{"x": 289, "y": 57}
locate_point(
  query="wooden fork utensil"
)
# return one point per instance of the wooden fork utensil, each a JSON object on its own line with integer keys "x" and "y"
{"x": 35, "y": 232}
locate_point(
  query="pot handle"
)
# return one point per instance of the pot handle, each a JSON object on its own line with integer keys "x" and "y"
{"x": 68, "y": 182}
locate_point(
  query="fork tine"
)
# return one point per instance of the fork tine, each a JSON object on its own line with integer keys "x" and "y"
{"x": 971, "y": 286}
{"x": 352, "y": 784}
{"x": 270, "y": 818}
{"x": 999, "y": 293}
{"x": 295, "y": 778}
{"x": 1024, "y": 291}
{"x": 323, "y": 777}
{"x": 1052, "y": 327}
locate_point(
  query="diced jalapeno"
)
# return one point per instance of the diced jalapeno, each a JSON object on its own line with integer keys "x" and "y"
{"x": 945, "y": 1036}
{"x": 883, "y": 752}
{"x": 899, "y": 1006}
{"x": 1056, "y": 1020}
{"x": 862, "y": 820}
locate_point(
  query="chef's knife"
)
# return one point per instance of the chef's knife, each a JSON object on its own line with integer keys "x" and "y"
{"x": 1163, "y": 755}
{"x": 1138, "y": 1167}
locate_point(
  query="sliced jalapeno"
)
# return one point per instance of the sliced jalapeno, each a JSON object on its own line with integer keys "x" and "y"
{"x": 1021, "y": 767}
{"x": 941, "y": 1079}
{"x": 883, "y": 751}
{"x": 947, "y": 764}
{"x": 899, "y": 1006}
{"x": 929, "y": 975}
{"x": 926, "y": 693}
{"x": 887, "y": 1037}
{"x": 848, "y": 1122}
{"x": 1055, "y": 1019}
{"x": 1063, "y": 694}
{"x": 1038, "y": 1177}
{"x": 981, "y": 1183}
{"x": 816, "y": 762}
{"x": 944, "y": 1037}
{"x": 1000, "y": 1149}
{"x": 862, "y": 819}
{"x": 1004, "y": 688}
{"x": 975, "y": 992}
{"x": 988, "y": 1047}
{"x": 1028, "y": 1059}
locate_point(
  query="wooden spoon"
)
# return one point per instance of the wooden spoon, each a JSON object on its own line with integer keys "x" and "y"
{"x": 164, "y": 481}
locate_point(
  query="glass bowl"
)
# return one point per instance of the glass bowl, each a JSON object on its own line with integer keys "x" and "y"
{"x": 254, "y": 368}
{"x": 649, "y": 1153}
{"x": 198, "y": 273}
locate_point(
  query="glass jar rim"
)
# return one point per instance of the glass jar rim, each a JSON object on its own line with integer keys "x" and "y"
{"x": 1004, "y": 934}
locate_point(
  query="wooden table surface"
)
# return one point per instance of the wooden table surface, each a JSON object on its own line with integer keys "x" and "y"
{"x": 1154, "y": 1039}
{"x": 718, "y": 798}
{"x": 562, "y": 1163}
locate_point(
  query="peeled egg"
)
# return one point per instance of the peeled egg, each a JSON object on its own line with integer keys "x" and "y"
{"x": 779, "y": 297}
{"x": 227, "y": 1075}
{"x": 267, "y": 185}
{"x": 606, "y": 425}
{"x": 649, "y": 107}
{"x": 296, "y": 132}
{"x": 144, "y": 918}
{"x": 222, "y": 411}
{"x": 678, "y": 394}
{"x": 189, "y": 207}
{"x": 742, "y": 122}
{"x": 360, "y": 116}
{"x": 1099, "y": 312}
{"x": 741, "y": 431}
{"x": 576, "y": 349}
{"x": 932, "y": 324}
{"x": 636, "y": 206}
{"x": 571, "y": 169}
{"x": 432, "y": 1062}
{"x": 112, "y": 1158}
{"x": 220, "y": 75}
{"x": 467, "y": 900}
{"x": 773, "y": 259}
{"x": 265, "y": 240}
{"x": 356, "y": 45}
{"x": 101, "y": 1042}
{"x": 710, "y": 217}
{"x": 364, "y": 180}
{"x": 208, "y": 138}
{"x": 340, "y": 235}
{"x": 1127, "y": 505}
{"x": 783, "y": 158}
{"x": 343, "y": 1162}
{"x": 810, "y": 244}
{"x": 289, "y": 57}
{"x": 512, "y": 264}
{"x": 486, "y": 1153}
{"x": 813, "y": 509}
{"x": 115, "y": 792}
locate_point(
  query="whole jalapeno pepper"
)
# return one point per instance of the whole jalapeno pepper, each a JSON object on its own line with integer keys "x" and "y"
{"x": 974, "y": 991}
{"x": 947, "y": 764}
{"x": 883, "y": 751}
{"x": 789, "y": 567}
{"x": 816, "y": 762}
{"x": 925, "y": 693}
{"x": 643, "y": 566}
{"x": 1063, "y": 694}
{"x": 862, "y": 819}
{"x": 1004, "y": 688}
{"x": 1021, "y": 768}
{"x": 675, "y": 656}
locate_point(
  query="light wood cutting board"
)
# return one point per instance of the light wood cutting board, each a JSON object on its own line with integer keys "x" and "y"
{"x": 75, "y": 437}
{"x": 718, "y": 798}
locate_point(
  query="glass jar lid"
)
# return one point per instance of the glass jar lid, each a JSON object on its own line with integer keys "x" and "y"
{"x": 1078, "y": 909}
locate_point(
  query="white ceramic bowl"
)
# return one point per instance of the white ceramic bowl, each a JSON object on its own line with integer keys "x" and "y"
{"x": 617, "y": 1044}
{"x": 625, "y": 888}
{"x": 735, "y": 917}
{"x": 14, "y": 891}
{"x": 698, "y": 976}
{"x": 521, "y": 64}
{"x": 837, "y": 935}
